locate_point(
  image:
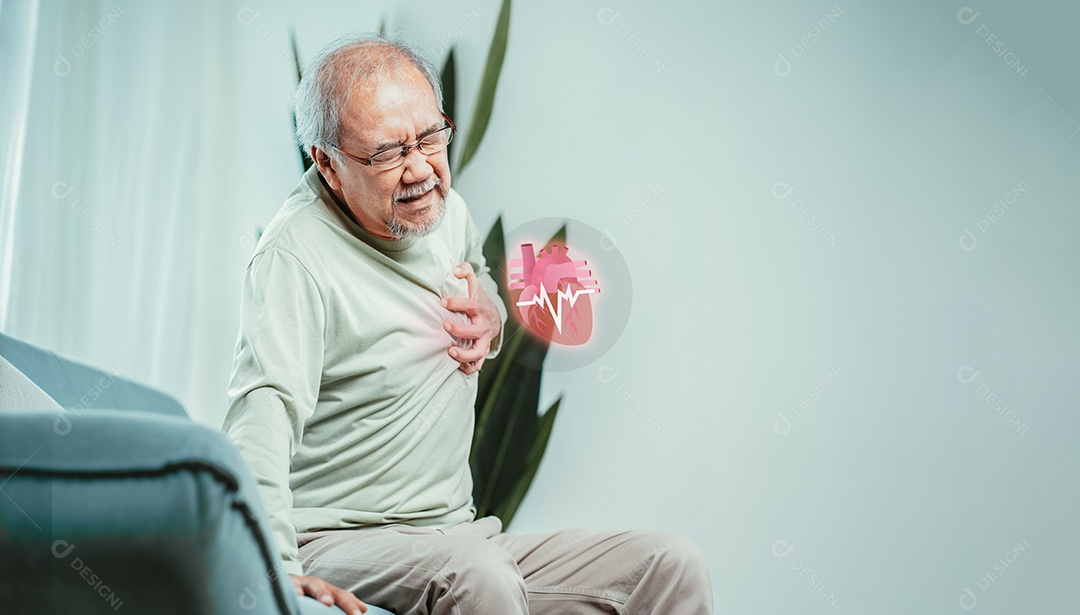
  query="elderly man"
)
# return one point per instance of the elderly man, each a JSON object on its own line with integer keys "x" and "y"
{"x": 367, "y": 312}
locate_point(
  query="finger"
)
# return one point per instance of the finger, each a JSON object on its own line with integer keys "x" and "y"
{"x": 349, "y": 602}
{"x": 471, "y": 367}
{"x": 465, "y": 270}
{"x": 318, "y": 589}
{"x": 467, "y": 305}
{"x": 476, "y": 353}
{"x": 464, "y": 331}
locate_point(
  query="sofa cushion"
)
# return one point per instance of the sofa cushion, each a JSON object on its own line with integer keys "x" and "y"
{"x": 17, "y": 392}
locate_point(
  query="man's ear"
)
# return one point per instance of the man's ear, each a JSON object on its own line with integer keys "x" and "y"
{"x": 326, "y": 167}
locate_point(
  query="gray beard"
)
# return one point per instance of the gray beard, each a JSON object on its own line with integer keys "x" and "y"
{"x": 397, "y": 227}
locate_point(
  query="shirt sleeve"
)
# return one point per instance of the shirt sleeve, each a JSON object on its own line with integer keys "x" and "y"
{"x": 275, "y": 381}
{"x": 474, "y": 255}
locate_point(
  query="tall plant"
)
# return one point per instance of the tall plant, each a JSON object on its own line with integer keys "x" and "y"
{"x": 510, "y": 436}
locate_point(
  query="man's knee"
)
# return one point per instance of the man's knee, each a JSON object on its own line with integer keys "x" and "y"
{"x": 472, "y": 564}
{"x": 675, "y": 577}
{"x": 675, "y": 556}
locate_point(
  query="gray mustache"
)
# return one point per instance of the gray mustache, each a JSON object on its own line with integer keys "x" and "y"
{"x": 415, "y": 191}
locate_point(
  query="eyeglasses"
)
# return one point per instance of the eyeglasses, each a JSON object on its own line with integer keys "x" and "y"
{"x": 393, "y": 157}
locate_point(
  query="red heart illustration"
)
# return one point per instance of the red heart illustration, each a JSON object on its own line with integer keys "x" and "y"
{"x": 553, "y": 299}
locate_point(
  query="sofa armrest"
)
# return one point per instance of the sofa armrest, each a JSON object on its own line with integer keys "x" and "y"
{"x": 132, "y": 509}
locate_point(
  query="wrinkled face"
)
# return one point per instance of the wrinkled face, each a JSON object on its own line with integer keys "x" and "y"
{"x": 406, "y": 201}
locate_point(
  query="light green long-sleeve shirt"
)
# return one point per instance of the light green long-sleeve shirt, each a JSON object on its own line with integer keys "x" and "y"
{"x": 343, "y": 400}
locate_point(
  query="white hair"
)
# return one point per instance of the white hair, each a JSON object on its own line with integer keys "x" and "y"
{"x": 330, "y": 77}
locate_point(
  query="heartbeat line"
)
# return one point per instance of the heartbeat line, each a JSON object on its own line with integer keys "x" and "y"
{"x": 569, "y": 294}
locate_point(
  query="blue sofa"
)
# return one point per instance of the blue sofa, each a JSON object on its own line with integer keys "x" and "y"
{"x": 115, "y": 501}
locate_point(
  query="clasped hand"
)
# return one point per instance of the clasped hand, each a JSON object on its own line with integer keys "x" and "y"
{"x": 483, "y": 326}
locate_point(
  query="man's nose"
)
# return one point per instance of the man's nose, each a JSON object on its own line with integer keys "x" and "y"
{"x": 416, "y": 167}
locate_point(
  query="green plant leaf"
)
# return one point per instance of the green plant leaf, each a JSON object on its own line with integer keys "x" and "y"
{"x": 532, "y": 464}
{"x": 519, "y": 347}
{"x": 494, "y": 250}
{"x": 305, "y": 160}
{"x": 507, "y": 426}
{"x": 517, "y": 342}
{"x": 494, "y": 257}
{"x": 485, "y": 98}
{"x": 382, "y": 27}
{"x": 448, "y": 77}
{"x": 511, "y": 429}
{"x": 295, "y": 54}
{"x": 558, "y": 238}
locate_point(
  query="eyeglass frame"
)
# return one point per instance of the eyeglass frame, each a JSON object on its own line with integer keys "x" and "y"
{"x": 408, "y": 147}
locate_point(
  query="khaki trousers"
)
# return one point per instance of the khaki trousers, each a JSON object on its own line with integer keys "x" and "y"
{"x": 474, "y": 569}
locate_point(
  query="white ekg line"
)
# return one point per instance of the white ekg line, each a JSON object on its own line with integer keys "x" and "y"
{"x": 569, "y": 294}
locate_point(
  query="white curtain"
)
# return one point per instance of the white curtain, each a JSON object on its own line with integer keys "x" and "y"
{"x": 18, "y": 30}
{"x": 115, "y": 196}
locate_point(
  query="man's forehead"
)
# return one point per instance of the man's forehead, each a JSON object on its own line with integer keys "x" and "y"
{"x": 386, "y": 105}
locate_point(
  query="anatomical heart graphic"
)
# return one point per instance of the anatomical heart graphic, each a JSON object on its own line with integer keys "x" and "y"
{"x": 552, "y": 294}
